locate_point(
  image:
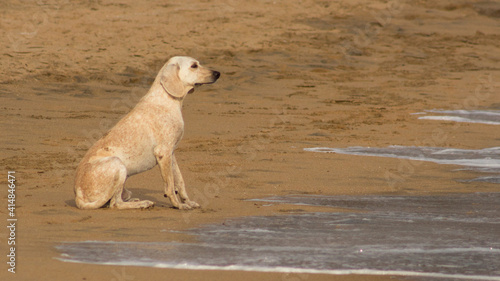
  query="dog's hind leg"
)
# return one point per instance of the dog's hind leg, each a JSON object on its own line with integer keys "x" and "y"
{"x": 101, "y": 181}
{"x": 121, "y": 194}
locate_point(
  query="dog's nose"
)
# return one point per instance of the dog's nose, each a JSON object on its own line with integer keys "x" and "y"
{"x": 216, "y": 75}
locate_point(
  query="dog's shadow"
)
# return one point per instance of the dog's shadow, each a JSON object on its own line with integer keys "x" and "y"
{"x": 70, "y": 203}
{"x": 145, "y": 194}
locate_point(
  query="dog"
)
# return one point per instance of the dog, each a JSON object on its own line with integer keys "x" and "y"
{"x": 148, "y": 135}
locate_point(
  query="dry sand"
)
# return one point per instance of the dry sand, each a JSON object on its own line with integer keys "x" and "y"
{"x": 295, "y": 74}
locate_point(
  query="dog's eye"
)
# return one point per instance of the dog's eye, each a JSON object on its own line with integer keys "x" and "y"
{"x": 194, "y": 65}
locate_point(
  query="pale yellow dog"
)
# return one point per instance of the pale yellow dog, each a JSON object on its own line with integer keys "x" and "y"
{"x": 146, "y": 136}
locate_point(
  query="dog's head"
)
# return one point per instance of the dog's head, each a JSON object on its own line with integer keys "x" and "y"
{"x": 180, "y": 74}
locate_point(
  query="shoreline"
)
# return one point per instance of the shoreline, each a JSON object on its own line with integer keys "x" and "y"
{"x": 358, "y": 273}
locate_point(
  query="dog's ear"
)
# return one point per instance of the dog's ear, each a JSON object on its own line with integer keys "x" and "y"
{"x": 171, "y": 82}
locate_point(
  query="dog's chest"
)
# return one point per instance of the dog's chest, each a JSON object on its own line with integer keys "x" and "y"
{"x": 170, "y": 129}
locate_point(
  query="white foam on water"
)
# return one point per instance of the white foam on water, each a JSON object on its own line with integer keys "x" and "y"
{"x": 494, "y": 113}
{"x": 466, "y": 116}
{"x": 481, "y": 158}
{"x": 438, "y": 251}
{"x": 187, "y": 266}
{"x": 490, "y": 179}
{"x": 459, "y": 119}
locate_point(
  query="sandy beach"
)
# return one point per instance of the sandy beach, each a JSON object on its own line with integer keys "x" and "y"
{"x": 295, "y": 74}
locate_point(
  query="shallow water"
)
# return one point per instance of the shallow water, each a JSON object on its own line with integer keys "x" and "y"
{"x": 487, "y": 158}
{"x": 483, "y": 160}
{"x": 434, "y": 237}
{"x": 490, "y": 117}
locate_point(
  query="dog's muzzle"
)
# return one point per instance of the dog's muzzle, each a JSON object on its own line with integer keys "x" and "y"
{"x": 215, "y": 75}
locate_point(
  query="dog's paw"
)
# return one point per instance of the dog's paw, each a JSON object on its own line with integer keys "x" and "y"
{"x": 184, "y": 206}
{"x": 192, "y": 204}
{"x": 146, "y": 204}
{"x": 188, "y": 205}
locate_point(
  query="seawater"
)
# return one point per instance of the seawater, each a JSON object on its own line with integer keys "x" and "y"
{"x": 432, "y": 237}
{"x": 483, "y": 160}
{"x": 491, "y": 117}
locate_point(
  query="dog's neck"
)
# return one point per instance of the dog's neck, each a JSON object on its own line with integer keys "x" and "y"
{"x": 159, "y": 96}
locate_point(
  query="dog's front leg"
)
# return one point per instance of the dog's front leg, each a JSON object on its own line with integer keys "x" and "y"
{"x": 180, "y": 185}
{"x": 164, "y": 157}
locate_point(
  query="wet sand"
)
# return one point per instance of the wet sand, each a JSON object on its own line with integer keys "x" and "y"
{"x": 295, "y": 74}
